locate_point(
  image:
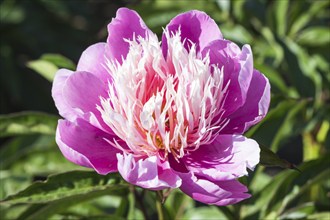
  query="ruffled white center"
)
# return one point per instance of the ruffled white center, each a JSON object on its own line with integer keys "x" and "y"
{"x": 163, "y": 106}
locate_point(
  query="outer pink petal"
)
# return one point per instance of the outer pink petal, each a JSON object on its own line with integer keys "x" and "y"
{"x": 238, "y": 70}
{"x": 228, "y": 157}
{"x": 196, "y": 27}
{"x": 148, "y": 173}
{"x": 255, "y": 107}
{"x": 126, "y": 25}
{"x": 93, "y": 60}
{"x": 57, "y": 92}
{"x": 219, "y": 193}
{"x": 82, "y": 92}
{"x": 86, "y": 145}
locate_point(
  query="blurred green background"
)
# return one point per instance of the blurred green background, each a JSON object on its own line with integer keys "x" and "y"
{"x": 290, "y": 41}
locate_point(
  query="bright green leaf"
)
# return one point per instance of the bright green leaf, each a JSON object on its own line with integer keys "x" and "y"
{"x": 281, "y": 9}
{"x": 318, "y": 216}
{"x": 236, "y": 33}
{"x": 299, "y": 212}
{"x": 45, "y": 68}
{"x": 34, "y": 155}
{"x": 314, "y": 36}
{"x": 210, "y": 212}
{"x": 27, "y": 123}
{"x": 59, "y": 61}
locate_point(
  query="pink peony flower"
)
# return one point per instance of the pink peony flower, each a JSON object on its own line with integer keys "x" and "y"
{"x": 164, "y": 114}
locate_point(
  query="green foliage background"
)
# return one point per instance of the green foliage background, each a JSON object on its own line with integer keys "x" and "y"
{"x": 291, "y": 45}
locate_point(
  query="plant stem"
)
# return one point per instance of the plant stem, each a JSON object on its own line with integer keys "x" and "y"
{"x": 159, "y": 206}
{"x": 139, "y": 199}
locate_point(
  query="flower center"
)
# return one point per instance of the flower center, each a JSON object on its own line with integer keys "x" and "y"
{"x": 163, "y": 105}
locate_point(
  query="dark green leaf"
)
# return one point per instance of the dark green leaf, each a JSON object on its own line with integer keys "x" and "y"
{"x": 269, "y": 158}
{"x": 287, "y": 186}
{"x": 279, "y": 124}
{"x": 307, "y": 16}
{"x": 274, "y": 77}
{"x": 65, "y": 185}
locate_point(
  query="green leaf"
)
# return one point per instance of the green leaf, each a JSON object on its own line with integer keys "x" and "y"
{"x": 59, "y": 206}
{"x": 11, "y": 183}
{"x": 320, "y": 215}
{"x": 269, "y": 158}
{"x": 94, "y": 206}
{"x": 286, "y": 129}
{"x": 285, "y": 187}
{"x": 238, "y": 9}
{"x": 27, "y": 123}
{"x": 11, "y": 13}
{"x": 279, "y": 124}
{"x": 274, "y": 77}
{"x": 314, "y": 36}
{"x": 59, "y": 61}
{"x": 299, "y": 212}
{"x": 273, "y": 44}
{"x": 307, "y": 16}
{"x": 34, "y": 155}
{"x": 281, "y": 9}
{"x": 48, "y": 65}
{"x": 177, "y": 203}
{"x": 236, "y": 33}
{"x": 304, "y": 68}
{"x": 8, "y": 212}
{"x": 210, "y": 212}
{"x": 73, "y": 183}
{"x": 45, "y": 68}
{"x": 13, "y": 150}
{"x": 298, "y": 191}
{"x": 61, "y": 191}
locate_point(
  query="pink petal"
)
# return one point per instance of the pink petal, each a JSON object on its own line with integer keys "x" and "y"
{"x": 86, "y": 145}
{"x": 126, "y": 25}
{"x": 219, "y": 193}
{"x": 255, "y": 107}
{"x": 148, "y": 173}
{"x": 82, "y": 92}
{"x": 228, "y": 157}
{"x": 57, "y": 93}
{"x": 238, "y": 70}
{"x": 196, "y": 27}
{"x": 92, "y": 60}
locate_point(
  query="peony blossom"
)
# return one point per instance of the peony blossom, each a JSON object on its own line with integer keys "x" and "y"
{"x": 164, "y": 114}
